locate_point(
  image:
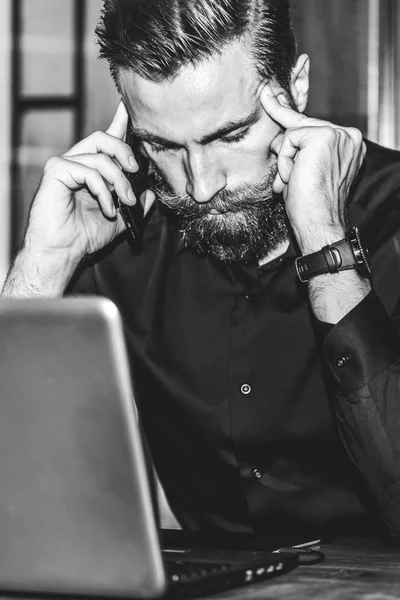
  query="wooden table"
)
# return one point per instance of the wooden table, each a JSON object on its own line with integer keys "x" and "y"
{"x": 348, "y": 572}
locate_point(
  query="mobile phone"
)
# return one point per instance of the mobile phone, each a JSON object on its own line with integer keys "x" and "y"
{"x": 133, "y": 215}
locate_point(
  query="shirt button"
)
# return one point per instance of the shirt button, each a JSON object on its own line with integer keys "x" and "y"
{"x": 256, "y": 473}
{"x": 245, "y": 389}
{"x": 343, "y": 360}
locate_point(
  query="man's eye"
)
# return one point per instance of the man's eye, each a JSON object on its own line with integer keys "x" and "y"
{"x": 234, "y": 139}
{"x": 157, "y": 148}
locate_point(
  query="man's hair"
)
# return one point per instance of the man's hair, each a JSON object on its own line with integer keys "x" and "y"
{"x": 155, "y": 38}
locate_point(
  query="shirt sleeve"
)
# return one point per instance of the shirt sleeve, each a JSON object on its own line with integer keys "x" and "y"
{"x": 83, "y": 280}
{"x": 362, "y": 357}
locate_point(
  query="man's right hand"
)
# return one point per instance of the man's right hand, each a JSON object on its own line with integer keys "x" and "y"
{"x": 73, "y": 212}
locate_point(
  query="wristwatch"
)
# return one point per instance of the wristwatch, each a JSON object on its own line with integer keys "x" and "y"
{"x": 349, "y": 253}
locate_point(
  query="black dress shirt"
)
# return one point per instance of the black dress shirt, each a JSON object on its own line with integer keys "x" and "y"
{"x": 257, "y": 416}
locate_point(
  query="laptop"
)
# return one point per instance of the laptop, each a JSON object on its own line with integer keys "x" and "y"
{"x": 77, "y": 507}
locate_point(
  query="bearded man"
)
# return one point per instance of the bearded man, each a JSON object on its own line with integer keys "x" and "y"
{"x": 264, "y": 354}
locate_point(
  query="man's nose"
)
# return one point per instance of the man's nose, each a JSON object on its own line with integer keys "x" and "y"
{"x": 205, "y": 177}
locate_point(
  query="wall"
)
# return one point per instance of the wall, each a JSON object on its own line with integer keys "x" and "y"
{"x": 335, "y": 35}
{"x": 101, "y": 95}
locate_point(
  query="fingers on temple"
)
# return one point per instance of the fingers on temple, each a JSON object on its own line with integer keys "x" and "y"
{"x": 118, "y": 125}
{"x": 279, "y": 109}
{"x": 100, "y": 142}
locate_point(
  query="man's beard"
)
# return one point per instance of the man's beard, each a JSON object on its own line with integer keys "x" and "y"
{"x": 252, "y": 220}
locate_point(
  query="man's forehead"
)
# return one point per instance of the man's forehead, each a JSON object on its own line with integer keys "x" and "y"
{"x": 200, "y": 97}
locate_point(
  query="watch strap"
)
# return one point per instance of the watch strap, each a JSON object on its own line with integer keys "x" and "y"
{"x": 330, "y": 259}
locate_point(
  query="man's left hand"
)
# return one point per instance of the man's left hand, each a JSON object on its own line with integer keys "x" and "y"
{"x": 317, "y": 163}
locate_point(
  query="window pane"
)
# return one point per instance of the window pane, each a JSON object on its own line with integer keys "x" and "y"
{"x": 44, "y": 134}
{"x": 47, "y": 46}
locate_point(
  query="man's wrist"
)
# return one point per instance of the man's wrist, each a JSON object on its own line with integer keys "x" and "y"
{"x": 39, "y": 273}
{"x": 312, "y": 239}
{"x": 332, "y": 297}
{"x": 347, "y": 253}
{"x": 335, "y": 293}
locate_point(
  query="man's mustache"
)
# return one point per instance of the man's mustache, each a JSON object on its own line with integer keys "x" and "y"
{"x": 240, "y": 199}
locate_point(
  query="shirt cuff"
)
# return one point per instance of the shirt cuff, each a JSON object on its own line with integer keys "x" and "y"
{"x": 361, "y": 345}
{"x": 322, "y": 329}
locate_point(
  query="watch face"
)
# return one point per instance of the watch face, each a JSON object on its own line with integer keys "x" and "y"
{"x": 361, "y": 253}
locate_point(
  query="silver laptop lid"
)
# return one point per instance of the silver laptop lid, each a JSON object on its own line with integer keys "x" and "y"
{"x": 75, "y": 507}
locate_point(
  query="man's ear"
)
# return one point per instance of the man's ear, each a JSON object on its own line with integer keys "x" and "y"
{"x": 300, "y": 82}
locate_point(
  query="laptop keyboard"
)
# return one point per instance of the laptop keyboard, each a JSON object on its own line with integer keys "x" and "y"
{"x": 179, "y": 571}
